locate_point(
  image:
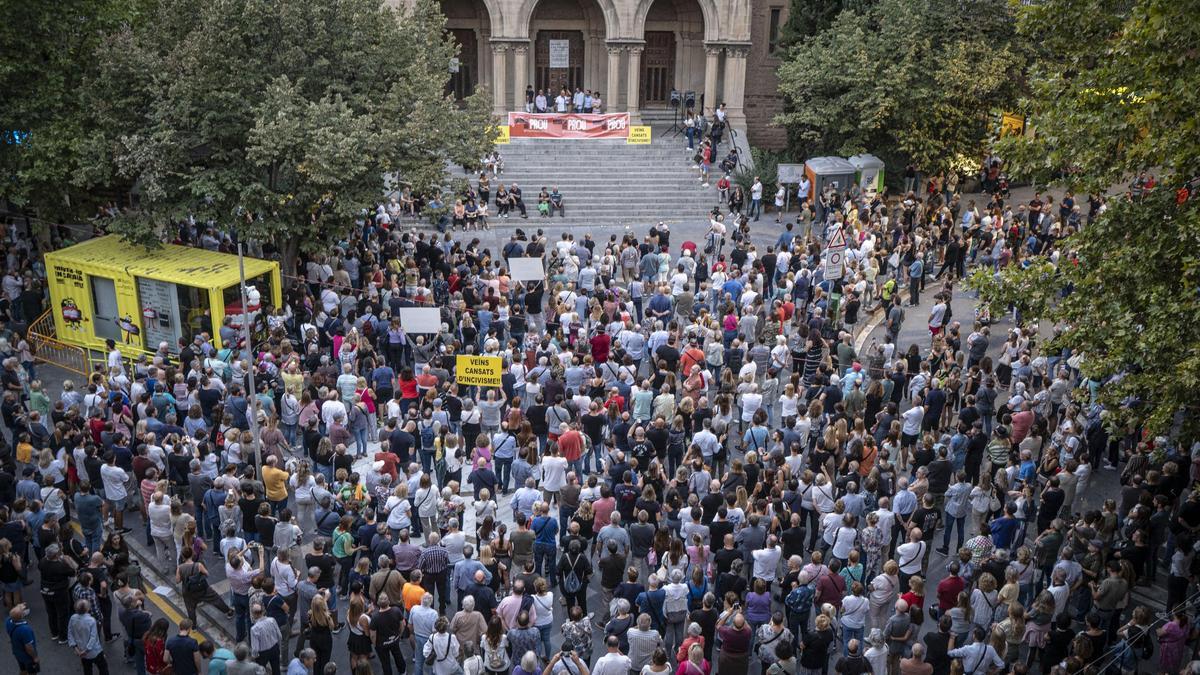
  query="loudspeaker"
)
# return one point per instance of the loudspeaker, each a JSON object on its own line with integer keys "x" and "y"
{"x": 675, "y": 98}
{"x": 689, "y": 100}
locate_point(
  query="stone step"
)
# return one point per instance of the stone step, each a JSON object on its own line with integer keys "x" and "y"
{"x": 607, "y": 184}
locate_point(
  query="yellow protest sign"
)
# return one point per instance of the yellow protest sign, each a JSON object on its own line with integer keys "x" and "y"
{"x": 1011, "y": 124}
{"x": 638, "y": 136}
{"x": 483, "y": 371}
{"x": 502, "y": 138}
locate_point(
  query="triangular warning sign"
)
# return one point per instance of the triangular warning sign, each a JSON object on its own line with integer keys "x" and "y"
{"x": 838, "y": 240}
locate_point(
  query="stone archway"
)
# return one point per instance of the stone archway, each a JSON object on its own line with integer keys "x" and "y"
{"x": 673, "y": 31}
{"x": 568, "y": 39}
{"x": 470, "y": 22}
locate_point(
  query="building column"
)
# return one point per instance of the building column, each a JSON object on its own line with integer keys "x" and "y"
{"x": 614, "y": 78}
{"x": 520, "y": 74}
{"x": 634, "y": 83}
{"x": 712, "y": 61}
{"x": 483, "y": 66}
{"x": 735, "y": 84}
{"x": 500, "y": 81}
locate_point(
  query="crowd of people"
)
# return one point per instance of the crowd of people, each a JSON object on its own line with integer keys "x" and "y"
{"x": 704, "y": 474}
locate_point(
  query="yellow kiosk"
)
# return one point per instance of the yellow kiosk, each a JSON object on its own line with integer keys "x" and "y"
{"x": 105, "y": 289}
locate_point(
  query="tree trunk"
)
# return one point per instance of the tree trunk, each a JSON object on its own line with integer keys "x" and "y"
{"x": 289, "y": 252}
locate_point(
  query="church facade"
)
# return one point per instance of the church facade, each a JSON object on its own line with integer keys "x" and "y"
{"x": 634, "y": 52}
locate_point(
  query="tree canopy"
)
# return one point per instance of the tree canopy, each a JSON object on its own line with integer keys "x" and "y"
{"x": 809, "y": 17}
{"x": 51, "y": 159}
{"x": 914, "y": 81}
{"x": 280, "y": 118}
{"x": 1116, "y": 92}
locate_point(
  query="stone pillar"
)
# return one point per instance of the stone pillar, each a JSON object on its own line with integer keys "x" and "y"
{"x": 634, "y": 83}
{"x": 712, "y": 61}
{"x": 735, "y": 84}
{"x": 520, "y": 75}
{"x": 614, "y": 78}
{"x": 500, "y": 81}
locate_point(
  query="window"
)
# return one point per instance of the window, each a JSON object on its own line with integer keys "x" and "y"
{"x": 194, "y": 311}
{"x": 773, "y": 30}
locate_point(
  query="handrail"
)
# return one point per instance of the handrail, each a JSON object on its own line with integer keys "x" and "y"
{"x": 49, "y": 349}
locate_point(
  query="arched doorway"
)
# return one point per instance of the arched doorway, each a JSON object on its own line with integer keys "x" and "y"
{"x": 468, "y": 21}
{"x": 674, "y": 53}
{"x": 568, "y": 40}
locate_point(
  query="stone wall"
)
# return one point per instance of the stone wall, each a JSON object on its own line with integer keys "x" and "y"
{"x": 763, "y": 101}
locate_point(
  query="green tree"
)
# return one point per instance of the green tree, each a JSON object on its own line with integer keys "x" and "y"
{"x": 282, "y": 119}
{"x": 1116, "y": 93}
{"x": 913, "y": 81}
{"x": 809, "y": 17}
{"x": 46, "y": 57}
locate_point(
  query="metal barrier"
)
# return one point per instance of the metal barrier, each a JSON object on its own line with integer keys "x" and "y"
{"x": 49, "y": 349}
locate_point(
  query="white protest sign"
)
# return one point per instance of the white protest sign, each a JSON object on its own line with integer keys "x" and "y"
{"x": 526, "y": 269}
{"x": 421, "y": 320}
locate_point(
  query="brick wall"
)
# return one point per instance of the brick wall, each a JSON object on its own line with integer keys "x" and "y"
{"x": 763, "y": 101}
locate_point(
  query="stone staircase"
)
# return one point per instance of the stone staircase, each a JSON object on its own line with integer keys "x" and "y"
{"x": 607, "y": 185}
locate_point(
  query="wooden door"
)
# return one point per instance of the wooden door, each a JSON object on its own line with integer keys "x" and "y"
{"x": 551, "y": 80}
{"x": 462, "y": 83}
{"x": 658, "y": 68}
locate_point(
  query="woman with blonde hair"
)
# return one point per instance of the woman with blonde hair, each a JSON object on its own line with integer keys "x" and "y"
{"x": 359, "y": 641}
{"x": 319, "y": 630}
{"x": 10, "y": 574}
{"x": 398, "y": 510}
{"x": 984, "y": 601}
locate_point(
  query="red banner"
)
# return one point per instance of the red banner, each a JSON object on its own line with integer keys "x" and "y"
{"x": 568, "y": 125}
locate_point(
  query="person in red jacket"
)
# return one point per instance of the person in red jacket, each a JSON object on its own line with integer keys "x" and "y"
{"x": 601, "y": 344}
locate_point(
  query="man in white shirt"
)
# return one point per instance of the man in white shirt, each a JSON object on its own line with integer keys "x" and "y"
{"x": 911, "y": 429}
{"x": 937, "y": 317}
{"x": 115, "y": 479}
{"x": 887, "y": 519}
{"x": 978, "y": 657}
{"x": 910, "y": 556}
{"x": 804, "y": 189}
{"x": 756, "y": 193}
{"x": 332, "y": 408}
{"x": 751, "y": 402}
{"x": 114, "y": 356}
{"x": 766, "y": 560}
{"x": 613, "y": 662}
{"x": 707, "y": 441}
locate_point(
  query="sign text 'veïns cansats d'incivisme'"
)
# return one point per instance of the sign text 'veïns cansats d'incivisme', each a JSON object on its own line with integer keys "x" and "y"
{"x": 483, "y": 371}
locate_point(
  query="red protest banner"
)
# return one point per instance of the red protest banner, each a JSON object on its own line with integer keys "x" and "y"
{"x": 568, "y": 125}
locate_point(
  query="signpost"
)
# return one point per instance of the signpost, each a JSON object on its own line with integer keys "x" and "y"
{"x": 789, "y": 174}
{"x": 835, "y": 255}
